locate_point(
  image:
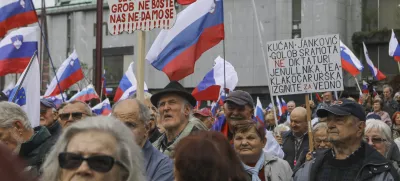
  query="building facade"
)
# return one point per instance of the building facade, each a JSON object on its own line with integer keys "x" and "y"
{"x": 72, "y": 26}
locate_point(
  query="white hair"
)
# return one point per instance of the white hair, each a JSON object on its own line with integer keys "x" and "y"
{"x": 278, "y": 129}
{"x": 382, "y": 127}
{"x": 127, "y": 152}
{"x": 319, "y": 125}
{"x": 144, "y": 111}
{"x": 11, "y": 112}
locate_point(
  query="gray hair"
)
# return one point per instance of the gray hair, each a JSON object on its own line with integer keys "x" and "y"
{"x": 144, "y": 111}
{"x": 11, "y": 112}
{"x": 278, "y": 129}
{"x": 319, "y": 125}
{"x": 388, "y": 86}
{"x": 127, "y": 152}
{"x": 384, "y": 131}
{"x": 88, "y": 110}
{"x": 146, "y": 95}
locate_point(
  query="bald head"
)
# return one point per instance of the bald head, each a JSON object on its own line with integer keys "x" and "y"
{"x": 298, "y": 121}
{"x": 127, "y": 109}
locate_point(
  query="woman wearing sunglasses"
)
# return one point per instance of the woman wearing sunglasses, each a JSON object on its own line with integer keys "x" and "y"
{"x": 378, "y": 135}
{"x": 97, "y": 149}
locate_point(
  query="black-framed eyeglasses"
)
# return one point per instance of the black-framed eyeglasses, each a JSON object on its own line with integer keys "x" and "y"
{"x": 75, "y": 115}
{"x": 374, "y": 140}
{"x": 98, "y": 163}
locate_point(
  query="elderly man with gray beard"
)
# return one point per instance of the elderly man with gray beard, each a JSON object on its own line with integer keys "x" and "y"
{"x": 16, "y": 132}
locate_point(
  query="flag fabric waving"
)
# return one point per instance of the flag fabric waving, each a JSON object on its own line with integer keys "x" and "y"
{"x": 69, "y": 73}
{"x": 8, "y": 89}
{"x": 284, "y": 106}
{"x": 28, "y": 96}
{"x": 394, "y": 47}
{"x": 128, "y": 85}
{"x": 185, "y": 2}
{"x": 17, "y": 48}
{"x": 279, "y": 105}
{"x": 209, "y": 88}
{"x": 350, "y": 62}
{"x": 198, "y": 28}
{"x": 86, "y": 94}
{"x": 375, "y": 72}
{"x": 258, "y": 112}
{"x": 364, "y": 87}
{"x": 214, "y": 108}
{"x": 15, "y": 14}
{"x": 102, "y": 108}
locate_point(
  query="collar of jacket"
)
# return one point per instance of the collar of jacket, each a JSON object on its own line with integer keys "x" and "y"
{"x": 268, "y": 158}
{"x": 373, "y": 159}
{"x": 54, "y": 128}
{"x": 170, "y": 148}
{"x": 41, "y": 134}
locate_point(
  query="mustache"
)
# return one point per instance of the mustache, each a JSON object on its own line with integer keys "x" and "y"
{"x": 237, "y": 118}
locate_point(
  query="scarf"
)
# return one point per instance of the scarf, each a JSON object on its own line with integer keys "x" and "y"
{"x": 254, "y": 170}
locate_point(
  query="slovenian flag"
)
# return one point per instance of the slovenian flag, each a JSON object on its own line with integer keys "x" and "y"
{"x": 259, "y": 111}
{"x": 15, "y": 14}
{"x": 284, "y": 105}
{"x": 28, "y": 96}
{"x": 375, "y": 72}
{"x": 350, "y": 62}
{"x": 58, "y": 99}
{"x": 103, "y": 108}
{"x": 8, "y": 89}
{"x": 209, "y": 88}
{"x": 278, "y": 103}
{"x": 69, "y": 73}
{"x": 17, "y": 49}
{"x": 394, "y": 47}
{"x": 86, "y": 94}
{"x": 127, "y": 85}
{"x": 199, "y": 27}
{"x": 364, "y": 87}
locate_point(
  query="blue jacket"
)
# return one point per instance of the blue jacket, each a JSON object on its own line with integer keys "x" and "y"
{"x": 219, "y": 123}
{"x": 158, "y": 166}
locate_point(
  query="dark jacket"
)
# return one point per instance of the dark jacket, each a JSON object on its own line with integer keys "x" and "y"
{"x": 283, "y": 118}
{"x": 158, "y": 166}
{"x": 154, "y": 135}
{"x": 11, "y": 167}
{"x": 55, "y": 130}
{"x": 288, "y": 147}
{"x": 394, "y": 156}
{"x": 375, "y": 167}
{"x": 390, "y": 107}
{"x": 34, "y": 150}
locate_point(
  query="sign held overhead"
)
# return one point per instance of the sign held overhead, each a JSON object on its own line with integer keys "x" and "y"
{"x": 131, "y": 15}
{"x": 305, "y": 65}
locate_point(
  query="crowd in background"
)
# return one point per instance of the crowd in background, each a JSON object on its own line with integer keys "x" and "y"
{"x": 163, "y": 138}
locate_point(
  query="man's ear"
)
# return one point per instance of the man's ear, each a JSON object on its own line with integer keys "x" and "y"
{"x": 361, "y": 128}
{"x": 19, "y": 126}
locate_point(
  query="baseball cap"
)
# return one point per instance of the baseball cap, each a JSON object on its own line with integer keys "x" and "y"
{"x": 48, "y": 103}
{"x": 240, "y": 97}
{"x": 342, "y": 107}
{"x": 203, "y": 112}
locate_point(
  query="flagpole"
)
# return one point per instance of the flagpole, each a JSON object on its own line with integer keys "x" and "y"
{"x": 48, "y": 50}
{"x": 358, "y": 85}
{"x": 23, "y": 78}
{"x": 224, "y": 52}
{"x": 264, "y": 59}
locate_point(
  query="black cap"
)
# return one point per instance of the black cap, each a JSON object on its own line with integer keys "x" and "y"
{"x": 48, "y": 103}
{"x": 173, "y": 87}
{"x": 343, "y": 107}
{"x": 240, "y": 97}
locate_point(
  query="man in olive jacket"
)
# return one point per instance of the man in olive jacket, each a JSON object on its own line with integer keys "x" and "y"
{"x": 30, "y": 144}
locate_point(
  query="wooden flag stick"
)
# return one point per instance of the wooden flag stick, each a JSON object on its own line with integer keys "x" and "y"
{"x": 398, "y": 63}
{"x": 310, "y": 135}
{"x": 140, "y": 66}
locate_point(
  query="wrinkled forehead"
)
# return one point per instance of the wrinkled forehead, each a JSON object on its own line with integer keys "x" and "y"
{"x": 170, "y": 97}
{"x": 74, "y": 107}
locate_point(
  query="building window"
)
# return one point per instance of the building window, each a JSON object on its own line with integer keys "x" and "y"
{"x": 369, "y": 15}
{"x": 296, "y": 18}
{"x": 114, "y": 66}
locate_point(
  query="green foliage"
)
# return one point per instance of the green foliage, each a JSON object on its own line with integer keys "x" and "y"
{"x": 371, "y": 37}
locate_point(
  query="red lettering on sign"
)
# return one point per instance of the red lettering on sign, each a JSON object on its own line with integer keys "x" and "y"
{"x": 279, "y": 63}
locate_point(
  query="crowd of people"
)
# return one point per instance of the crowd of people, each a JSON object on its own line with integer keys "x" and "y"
{"x": 163, "y": 138}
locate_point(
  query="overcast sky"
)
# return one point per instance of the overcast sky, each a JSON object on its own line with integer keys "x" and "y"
{"x": 38, "y": 3}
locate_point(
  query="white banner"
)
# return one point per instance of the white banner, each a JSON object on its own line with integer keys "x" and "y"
{"x": 306, "y": 65}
